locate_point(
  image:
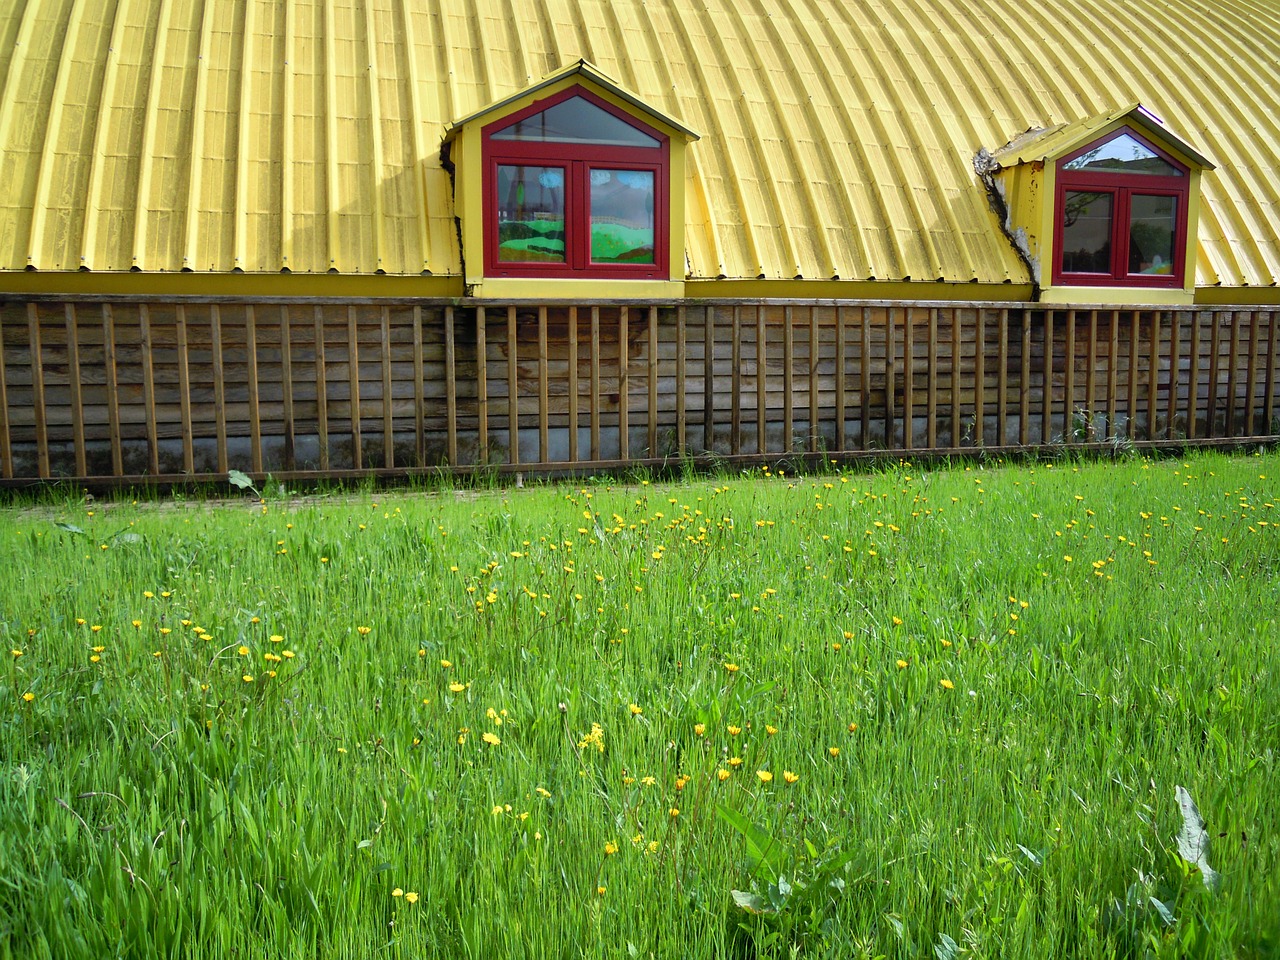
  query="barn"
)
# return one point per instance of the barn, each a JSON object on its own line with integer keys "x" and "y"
{"x": 357, "y": 237}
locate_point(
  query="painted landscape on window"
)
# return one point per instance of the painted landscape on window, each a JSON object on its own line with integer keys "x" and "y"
{"x": 530, "y": 214}
{"x": 622, "y": 216}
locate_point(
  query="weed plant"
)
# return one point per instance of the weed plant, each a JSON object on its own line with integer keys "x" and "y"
{"x": 925, "y": 712}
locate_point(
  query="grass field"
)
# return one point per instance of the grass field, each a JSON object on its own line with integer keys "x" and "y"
{"x": 919, "y": 712}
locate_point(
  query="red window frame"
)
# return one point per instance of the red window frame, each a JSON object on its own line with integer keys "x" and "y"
{"x": 577, "y": 160}
{"x": 1122, "y": 187}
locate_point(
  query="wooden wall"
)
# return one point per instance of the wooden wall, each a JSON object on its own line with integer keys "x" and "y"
{"x": 173, "y": 390}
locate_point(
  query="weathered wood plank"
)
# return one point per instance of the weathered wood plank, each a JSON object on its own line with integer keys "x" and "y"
{"x": 979, "y": 380}
{"x": 624, "y": 387}
{"x": 735, "y": 400}
{"x": 1069, "y": 381}
{"x": 255, "y": 424}
{"x": 1175, "y": 373}
{"x": 908, "y": 378}
{"x": 544, "y": 444}
{"x": 595, "y": 383}
{"x": 451, "y": 389}
{"x": 1046, "y": 403}
{"x": 681, "y": 380}
{"x": 322, "y": 388}
{"x": 652, "y": 382}
{"x": 286, "y": 383}
{"x": 1024, "y": 383}
{"x": 708, "y": 378}
{"x": 956, "y": 379}
{"x": 931, "y": 389}
{"x": 1215, "y": 349}
{"x": 864, "y": 379}
{"x": 573, "y": 385}
{"x": 482, "y": 387}
{"x": 6, "y": 451}
{"x": 149, "y": 388}
{"x": 513, "y": 389}
{"x": 815, "y": 434}
{"x": 788, "y": 381}
{"x": 353, "y": 384}
{"x": 77, "y": 400}
{"x": 1193, "y": 389}
{"x": 113, "y": 399}
{"x": 1002, "y": 379}
{"x": 1233, "y": 356}
{"x": 762, "y": 382}
{"x": 1113, "y": 375}
{"x": 841, "y": 397}
{"x": 1251, "y": 373}
{"x": 1269, "y": 393}
{"x": 37, "y": 390}
{"x": 1091, "y": 378}
{"x": 890, "y": 350}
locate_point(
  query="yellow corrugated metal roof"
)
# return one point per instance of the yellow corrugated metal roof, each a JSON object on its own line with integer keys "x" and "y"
{"x": 837, "y": 135}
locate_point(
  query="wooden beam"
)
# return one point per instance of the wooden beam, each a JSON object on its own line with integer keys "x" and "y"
{"x": 788, "y": 382}
{"x": 653, "y": 381}
{"x": 708, "y": 378}
{"x": 1193, "y": 389}
{"x": 482, "y": 388}
{"x": 286, "y": 387}
{"x": 624, "y": 387}
{"x": 762, "y": 381}
{"x": 1091, "y": 377}
{"x": 841, "y": 397}
{"x": 73, "y": 376}
{"x": 513, "y": 389}
{"x": 864, "y": 380}
{"x": 322, "y": 389}
{"x": 1069, "y": 382}
{"x": 1251, "y": 373}
{"x": 113, "y": 395}
{"x": 353, "y": 362}
{"x": 815, "y": 435}
{"x": 1046, "y": 404}
{"x": 251, "y": 357}
{"x": 979, "y": 379}
{"x": 1233, "y": 357}
{"x": 37, "y": 391}
{"x": 419, "y": 401}
{"x": 956, "y": 337}
{"x": 215, "y": 325}
{"x": 908, "y": 378}
{"x": 1135, "y": 324}
{"x": 1269, "y": 395}
{"x": 1175, "y": 372}
{"x": 595, "y": 383}
{"x": 573, "y": 384}
{"x": 450, "y": 387}
{"x": 682, "y": 360}
{"x": 388, "y": 422}
{"x": 1024, "y": 384}
{"x": 149, "y": 388}
{"x": 1214, "y": 349}
{"x": 6, "y": 450}
{"x": 1153, "y": 375}
{"x": 890, "y": 351}
{"x": 931, "y": 386}
{"x": 1002, "y": 380}
{"x": 735, "y": 400}
{"x": 544, "y": 446}
{"x": 1113, "y": 374}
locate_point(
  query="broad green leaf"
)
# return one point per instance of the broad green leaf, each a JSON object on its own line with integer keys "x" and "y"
{"x": 68, "y": 527}
{"x": 1193, "y": 841}
{"x": 241, "y": 480}
{"x": 750, "y": 902}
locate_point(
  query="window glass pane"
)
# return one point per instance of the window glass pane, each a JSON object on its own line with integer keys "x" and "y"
{"x": 622, "y": 216}
{"x": 1124, "y": 154}
{"x": 1086, "y": 232}
{"x": 1153, "y": 224}
{"x": 530, "y": 214}
{"x": 576, "y": 120}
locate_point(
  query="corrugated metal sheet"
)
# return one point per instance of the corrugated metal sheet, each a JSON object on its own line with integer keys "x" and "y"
{"x": 837, "y": 135}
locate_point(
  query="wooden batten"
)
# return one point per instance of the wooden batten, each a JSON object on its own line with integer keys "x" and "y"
{"x": 544, "y": 443}
{"x": 652, "y": 382}
{"x": 322, "y": 390}
{"x": 388, "y": 422}
{"x": 735, "y": 400}
{"x": 286, "y": 390}
{"x": 513, "y": 389}
{"x": 6, "y": 450}
{"x": 574, "y": 413}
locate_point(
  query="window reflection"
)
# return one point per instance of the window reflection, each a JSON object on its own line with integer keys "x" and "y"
{"x": 622, "y": 216}
{"x": 1086, "y": 232}
{"x": 530, "y": 214}
{"x": 1153, "y": 223}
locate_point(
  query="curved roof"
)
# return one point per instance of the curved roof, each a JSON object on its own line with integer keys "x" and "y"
{"x": 837, "y": 135}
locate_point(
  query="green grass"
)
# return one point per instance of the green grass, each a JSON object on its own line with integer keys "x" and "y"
{"x": 987, "y": 681}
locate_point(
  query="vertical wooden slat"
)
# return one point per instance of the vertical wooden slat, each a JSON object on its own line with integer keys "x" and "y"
{"x": 1251, "y": 373}
{"x": 450, "y": 387}
{"x": 1153, "y": 375}
{"x": 1233, "y": 358}
{"x": 1024, "y": 384}
{"x": 735, "y": 415}
{"x": 955, "y": 377}
{"x": 322, "y": 389}
{"x": 149, "y": 389}
{"x": 1046, "y": 403}
{"x": 864, "y": 380}
{"x": 482, "y": 387}
{"x": 979, "y": 377}
{"x": 708, "y": 377}
{"x": 653, "y": 381}
{"x": 544, "y": 446}
{"x": 37, "y": 391}
{"x": 681, "y": 372}
{"x": 1135, "y": 324}
{"x": 6, "y": 450}
{"x": 788, "y": 382}
{"x": 931, "y": 391}
{"x": 286, "y": 386}
{"x": 624, "y": 387}
{"x": 815, "y": 435}
{"x": 595, "y": 383}
{"x": 1113, "y": 362}
{"x": 841, "y": 398}
{"x": 513, "y": 390}
{"x": 1215, "y": 348}
{"x": 251, "y": 360}
{"x": 1091, "y": 376}
{"x": 573, "y": 384}
{"x": 890, "y": 349}
{"x": 1069, "y": 383}
{"x": 1175, "y": 372}
{"x": 419, "y": 403}
{"x": 1193, "y": 388}
{"x": 1002, "y": 379}
{"x": 762, "y": 382}
{"x": 73, "y": 376}
{"x": 388, "y": 422}
{"x": 353, "y": 381}
{"x": 215, "y": 328}
{"x": 908, "y": 378}
{"x": 113, "y": 393}
{"x": 1269, "y": 395}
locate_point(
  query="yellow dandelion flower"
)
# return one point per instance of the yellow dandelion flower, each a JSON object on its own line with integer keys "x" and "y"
{"x": 699, "y": 729}
{"x": 635, "y": 710}
{"x": 95, "y": 658}
{"x": 790, "y": 777}
{"x": 600, "y": 890}
{"x": 731, "y": 667}
{"x": 457, "y": 687}
{"x": 148, "y": 594}
{"x": 446, "y": 664}
{"x": 97, "y": 627}
{"x": 724, "y": 774}
{"x": 28, "y": 696}
{"x": 80, "y": 621}
{"x": 770, "y": 730}
{"x": 491, "y": 738}
{"x": 733, "y": 731}
{"x": 947, "y": 684}
{"x": 397, "y": 892}
{"x": 543, "y": 792}
{"x": 364, "y": 631}
{"x": 902, "y": 664}
{"x": 276, "y": 638}
{"x": 653, "y": 846}
{"x": 243, "y": 651}
{"x": 764, "y": 775}
{"x": 897, "y": 621}
{"x": 247, "y": 678}
{"x": 675, "y": 811}
{"x": 852, "y": 727}
{"x": 735, "y": 761}
{"x": 288, "y": 654}
{"x": 410, "y": 897}
{"x": 610, "y": 848}
{"x": 16, "y": 653}
{"x": 834, "y": 751}
{"x": 137, "y": 624}
{"x": 497, "y": 810}
{"x": 165, "y": 631}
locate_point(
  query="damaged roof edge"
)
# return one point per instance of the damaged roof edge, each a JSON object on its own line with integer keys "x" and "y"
{"x": 1049, "y": 143}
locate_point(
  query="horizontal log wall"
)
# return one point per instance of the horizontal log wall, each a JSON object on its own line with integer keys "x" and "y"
{"x": 165, "y": 390}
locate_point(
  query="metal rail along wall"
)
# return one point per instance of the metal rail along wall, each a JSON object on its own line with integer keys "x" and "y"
{"x": 165, "y": 391}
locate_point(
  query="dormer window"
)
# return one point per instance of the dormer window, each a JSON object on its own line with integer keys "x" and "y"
{"x": 1121, "y": 214}
{"x": 575, "y": 188}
